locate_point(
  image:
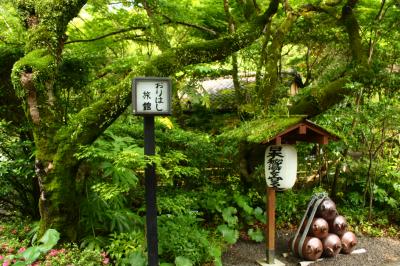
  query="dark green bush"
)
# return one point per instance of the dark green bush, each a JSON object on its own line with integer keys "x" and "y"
{"x": 181, "y": 235}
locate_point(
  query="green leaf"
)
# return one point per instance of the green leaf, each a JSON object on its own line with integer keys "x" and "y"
{"x": 182, "y": 261}
{"x": 260, "y": 215}
{"x": 229, "y": 217}
{"x": 256, "y": 235}
{"x": 20, "y": 263}
{"x": 135, "y": 258}
{"x": 49, "y": 239}
{"x": 241, "y": 201}
{"x": 229, "y": 235}
{"x": 216, "y": 252}
{"x": 31, "y": 254}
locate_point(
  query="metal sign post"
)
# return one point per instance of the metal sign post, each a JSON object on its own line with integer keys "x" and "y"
{"x": 151, "y": 97}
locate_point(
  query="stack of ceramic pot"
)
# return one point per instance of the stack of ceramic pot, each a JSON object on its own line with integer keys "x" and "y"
{"x": 327, "y": 234}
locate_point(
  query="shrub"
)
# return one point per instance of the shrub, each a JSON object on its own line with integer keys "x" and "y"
{"x": 123, "y": 245}
{"x": 181, "y": 236}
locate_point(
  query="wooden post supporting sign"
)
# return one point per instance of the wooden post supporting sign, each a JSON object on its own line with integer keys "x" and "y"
{"x": 151, "y": 97}
{"x": 150, "y": 192}
{"x": 270, "y": 241}
{"x": 281, "y": 171}
{"x": 280, "y": 174}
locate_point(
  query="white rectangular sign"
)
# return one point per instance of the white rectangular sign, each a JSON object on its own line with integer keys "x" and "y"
{"x": 151, "y": 96}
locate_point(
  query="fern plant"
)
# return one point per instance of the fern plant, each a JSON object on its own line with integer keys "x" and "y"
{"x": 115, "y": 162}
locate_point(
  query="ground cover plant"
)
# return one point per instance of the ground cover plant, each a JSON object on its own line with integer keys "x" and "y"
{"x": 19, "y": 247}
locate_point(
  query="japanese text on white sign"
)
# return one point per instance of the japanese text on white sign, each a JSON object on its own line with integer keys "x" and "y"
{"x": 152, "y": 96}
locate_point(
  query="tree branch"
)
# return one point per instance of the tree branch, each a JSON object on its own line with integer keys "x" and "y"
{"x": 352, "y": 27}
{"x": 159, "y": 35}
{"x": 108, "y": 35}
{"x": 199, "y": 27}
{"x": 270, "y": 79}
{"x": 169, "y": 21}
{"x": 326, "y": 10}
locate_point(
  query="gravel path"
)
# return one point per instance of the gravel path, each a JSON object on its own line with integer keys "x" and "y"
{"x": 380, "y": 251}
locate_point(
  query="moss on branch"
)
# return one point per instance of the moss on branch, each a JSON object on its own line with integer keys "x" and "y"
{"x": 352, "y": 27}
{"x": 202, "y": 52}
{"x": 266, "y": 88}
{"x": 91, "y": 121}
{"x": 212, "y": 50}
{"x": 40, "y": 63}
{"x": 47, "y": 22}
{"x": 312, "y": 103}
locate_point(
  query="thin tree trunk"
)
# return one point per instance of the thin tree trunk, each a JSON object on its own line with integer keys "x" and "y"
{"x": 235, "y": 74}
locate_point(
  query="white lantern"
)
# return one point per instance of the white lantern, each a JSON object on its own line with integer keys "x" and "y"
{"x": 280, "y": 166}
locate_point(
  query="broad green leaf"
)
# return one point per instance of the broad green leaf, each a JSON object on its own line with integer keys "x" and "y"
{"x": 229, "y": 235}
{"x": 256, "y": 235}
{"x": 166, "y": 122}
{"x": 182, "y": 261}
{"x": 216, "y": 252}
{"x": 31, "y": 254}
{"x": 260, "y": 215}
{"x": 135, "y": 258}
{"x": 229, "y": 215}
{"x": 241, "y": 201}
{"x": 19, "y": 263}
{"x": 49, "y": 239}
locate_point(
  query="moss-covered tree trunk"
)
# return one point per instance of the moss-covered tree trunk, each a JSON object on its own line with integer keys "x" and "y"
{"x": 267, "y": 85}
{"x": 34, "y": 76}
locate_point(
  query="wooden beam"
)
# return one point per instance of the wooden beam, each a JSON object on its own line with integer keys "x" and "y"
{"x": 302, "y": 129}
{"x": 323, "y": 140}
{"x": 278, "y": 140}
{"x": 270, "y": 234}
{"x": 320, "y": 130}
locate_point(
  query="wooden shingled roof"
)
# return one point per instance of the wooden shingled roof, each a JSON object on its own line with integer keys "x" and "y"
{"x": 306, "y": 131}
{"x": 282, "y": 130}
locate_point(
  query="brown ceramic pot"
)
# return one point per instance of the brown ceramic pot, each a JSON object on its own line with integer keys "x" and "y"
{"x": 332, "y": 245}
{"x": 338, "y": 225}
{"x": 327, "y": 210}
{"x": 349, "y": 241}
{"x": 312, "y": 248}
{"x": 318, "y": 228}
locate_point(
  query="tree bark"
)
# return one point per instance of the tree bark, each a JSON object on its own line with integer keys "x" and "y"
{"x": 158, "y": 33}
{"x": 271, "y": 77}
{"x": 235, "y": 71}
{"x": 33, "y": 77}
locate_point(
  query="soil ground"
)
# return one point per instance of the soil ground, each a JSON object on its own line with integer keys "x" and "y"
{"x": 379, "y": 251}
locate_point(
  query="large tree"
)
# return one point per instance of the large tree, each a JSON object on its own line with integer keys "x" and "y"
{"x": 46, "y": 72}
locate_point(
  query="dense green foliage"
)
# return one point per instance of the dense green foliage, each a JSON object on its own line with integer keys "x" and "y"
{"x": 71, "y": 152}
{"x": 17, "y": 249}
